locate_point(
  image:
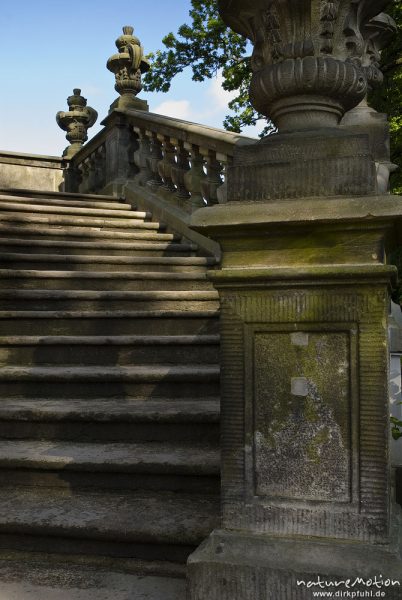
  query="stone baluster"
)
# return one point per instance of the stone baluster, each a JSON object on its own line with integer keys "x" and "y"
{"x": 213, "y": 180}
{"x": 194, "y": 177}
{"x": 100, "y": 163}
{"x": 222, "y": 191}
{"x": 92, "y": 173}
{"x": 84, "y": 168}
{"x": 155, "y": 155}
{"x": 166, "y": 164}
{"x": 141, "y": 157}
{"x": 179, "y": 170}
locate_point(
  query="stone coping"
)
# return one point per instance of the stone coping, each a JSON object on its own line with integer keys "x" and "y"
{"x": 303, "y": 211}
{"x": 32, "y": 160}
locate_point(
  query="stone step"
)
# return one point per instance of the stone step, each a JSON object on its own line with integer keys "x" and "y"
{"x": 105, "y": 419}
{"x": 171, "y": 465}
{"x": 36, "y": 577}
{"x": 101, "y": 280}
{"x": 109, "y": 223}
{"x": 140, "y": 246}
{"x": 109, "y": 419}
{"x": 143, "y": 525}
{"x": 99, "y": 262}
{"x": 109, "y": 350}
{"x": 104, "y": 322}
{"x": 62, "y": 235}
{"x": 114, "y": 205}
{"x": 61, "y": 299}
{"x": 62, "y": 196}
{"x": 142, "y": 381}
{"x": 53, "y": 210}
{"x": 152, "y": 457}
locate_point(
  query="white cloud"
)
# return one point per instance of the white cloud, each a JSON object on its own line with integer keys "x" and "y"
{"x": 178, "y": 109}
{"x": 218, "y": 97}
{"x": 208, "y": 107}
{"x": 210, "y": 104}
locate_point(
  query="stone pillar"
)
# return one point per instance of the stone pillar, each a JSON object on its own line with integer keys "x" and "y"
{"x": 120, "y": 146}
{"x": 304, "y": 288}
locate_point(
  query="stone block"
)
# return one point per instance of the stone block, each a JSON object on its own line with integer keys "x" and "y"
{"x": 232, "y": 565}
{"x": 303, "y": 164}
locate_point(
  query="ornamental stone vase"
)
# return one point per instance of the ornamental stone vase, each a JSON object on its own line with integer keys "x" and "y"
{"x": 377, "y": 33}
{"x": 307, "y": 62}
{"x": 76, "y": 121}
{"x": 128, "y": 65}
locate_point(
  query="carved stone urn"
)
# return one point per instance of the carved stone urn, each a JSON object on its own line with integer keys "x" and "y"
{"x": 76, "y": 121}
{"x": 128, "y": 65}
{"x": 307, "y": 59}
{"x": 377, "y": 34}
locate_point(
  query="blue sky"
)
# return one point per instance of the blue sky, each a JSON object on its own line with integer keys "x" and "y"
{"x": 49, "y": 47}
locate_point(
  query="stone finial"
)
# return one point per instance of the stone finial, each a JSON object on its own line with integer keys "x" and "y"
{"x": 76, "y": 121}
{"x": 308, "y": 59}
{"x": 128, "y": 65}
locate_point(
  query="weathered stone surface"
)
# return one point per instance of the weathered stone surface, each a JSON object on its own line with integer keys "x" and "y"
{"x": 302, "y": 422}
{"x": 309, "y": 164}
{"x": 92, "y": 465}
{"x": 234, "y": 565}
{"x": 29, "y": 580}
{"x": 37, "y": 172}
{"x": 303, "y": 287}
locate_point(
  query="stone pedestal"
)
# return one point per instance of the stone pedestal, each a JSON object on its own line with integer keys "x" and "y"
{"x": 120, "y": 145}
{"x": 304, "y": 291}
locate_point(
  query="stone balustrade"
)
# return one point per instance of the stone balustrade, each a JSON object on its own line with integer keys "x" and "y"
{"x": 184, "y": 163}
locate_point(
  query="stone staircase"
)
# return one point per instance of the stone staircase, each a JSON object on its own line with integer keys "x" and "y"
{"x": 109, "y": 377}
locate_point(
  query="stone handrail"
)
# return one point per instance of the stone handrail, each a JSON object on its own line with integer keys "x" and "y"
{"x": 182, "y": 162}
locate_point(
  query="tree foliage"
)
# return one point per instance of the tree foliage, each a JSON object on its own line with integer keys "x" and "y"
{"x": 396, "y": 427}
{"x": 208, "y": 46}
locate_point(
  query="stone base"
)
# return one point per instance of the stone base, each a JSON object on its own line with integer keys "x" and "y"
{"x": 127, "y": 102}
{"x": 329, "y": 162}
{"x": 239, "y": 566}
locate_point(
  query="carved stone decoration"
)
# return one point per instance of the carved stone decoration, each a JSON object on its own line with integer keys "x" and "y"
{"x": 377, "y": 33}
{"x": 128, "y": 65}
{"x": 76, "y": 121}
{"x": 308, "y": 59}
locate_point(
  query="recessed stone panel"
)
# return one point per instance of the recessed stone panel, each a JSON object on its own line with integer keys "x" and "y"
{"x": 302, "y": 415}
